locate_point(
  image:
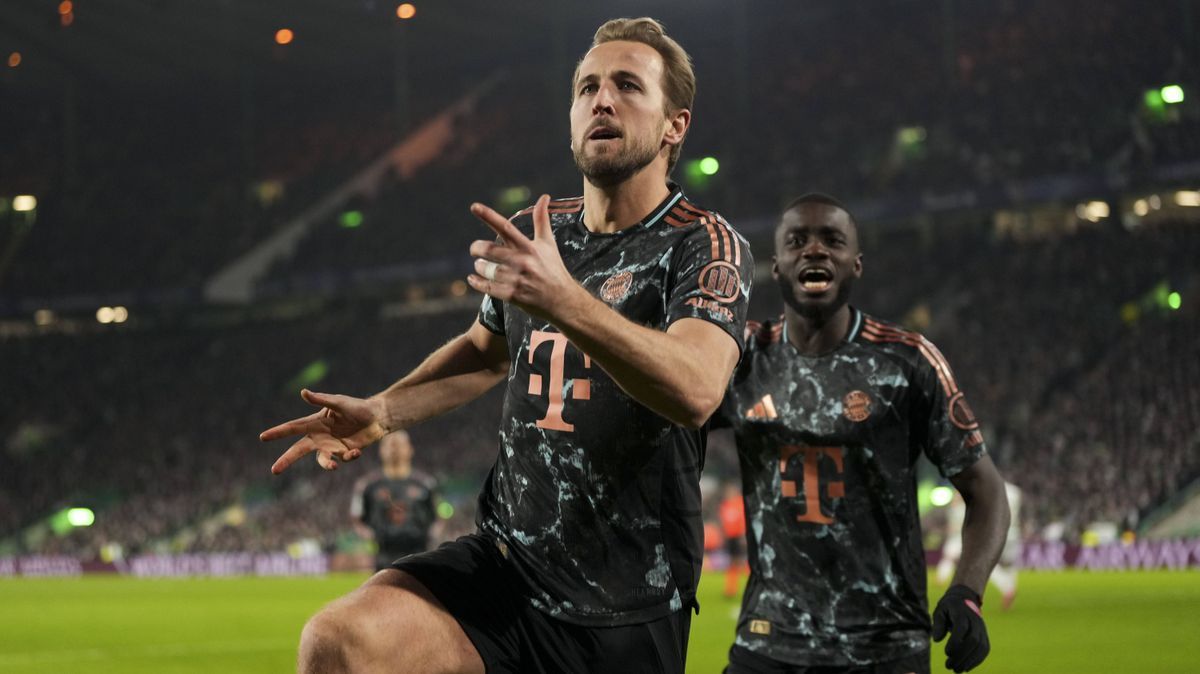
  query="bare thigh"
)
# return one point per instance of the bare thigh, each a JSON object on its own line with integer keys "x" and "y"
{"x": 392, "y": 623}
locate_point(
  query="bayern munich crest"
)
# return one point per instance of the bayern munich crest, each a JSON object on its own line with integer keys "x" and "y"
{"x": 856, "y": 406}
{"x": 616, "y": 287}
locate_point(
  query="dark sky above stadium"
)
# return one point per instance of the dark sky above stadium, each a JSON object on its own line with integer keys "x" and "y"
{"x": 167, "y": 49}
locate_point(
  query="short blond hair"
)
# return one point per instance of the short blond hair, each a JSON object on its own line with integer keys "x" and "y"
{"x": 679, "y": 80}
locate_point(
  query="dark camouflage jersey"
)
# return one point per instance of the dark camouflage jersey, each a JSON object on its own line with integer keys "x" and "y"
{"x": 828, "y": 447}
{"x": 596, "y": 497}
{"x": 400, "y": 511}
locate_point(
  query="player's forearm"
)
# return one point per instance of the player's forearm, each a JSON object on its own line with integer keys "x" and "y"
{"x": 984, "y": 527}
{"x": 450, "y": 377}
{"x": 674, "y": 378}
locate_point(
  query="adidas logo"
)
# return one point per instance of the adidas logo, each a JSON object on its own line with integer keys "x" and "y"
{"x": 765, "y": 409}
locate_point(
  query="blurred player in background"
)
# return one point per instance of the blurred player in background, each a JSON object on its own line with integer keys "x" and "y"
{"x": 733, "y": 527}
{"x": 1004, "y": 576}
{"x": 399, "y": 509}
{"x": 615, "y": 321}
{"x": 831, "y": 410}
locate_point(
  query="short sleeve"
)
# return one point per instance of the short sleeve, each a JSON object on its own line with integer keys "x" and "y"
{"x": 948, "y": 428}
{"x": 491, "y": 314}
{"x": 723, "y": 417}
{"x": 711, "y": 278}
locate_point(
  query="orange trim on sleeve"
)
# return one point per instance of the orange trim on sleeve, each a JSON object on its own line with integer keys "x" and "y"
{"x": 878, "y": 332}
{"x": 731, "y": 236}
{"x": 733, "y": 249}
{"x": 569, "y": 205}
{"x": 712, "y": 234}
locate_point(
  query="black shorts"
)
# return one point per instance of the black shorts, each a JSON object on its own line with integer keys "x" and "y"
{"x": 487, "y": 597}
{"x": 745, "y": 661}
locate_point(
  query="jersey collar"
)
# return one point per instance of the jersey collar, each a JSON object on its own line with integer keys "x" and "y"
{"x": 856, "y": 320}
{"x": 676, "y": 193}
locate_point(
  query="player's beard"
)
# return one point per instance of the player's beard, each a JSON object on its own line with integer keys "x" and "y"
{"x": 614, "y": 168}
{"x": 816, "y": 309}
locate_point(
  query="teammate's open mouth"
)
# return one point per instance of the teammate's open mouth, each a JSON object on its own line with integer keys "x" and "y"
{"x": 816, "y": 279}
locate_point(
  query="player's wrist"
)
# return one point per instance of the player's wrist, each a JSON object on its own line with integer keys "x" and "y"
{"x": 381, "y": 412}
{"x": 571, "y": 307}
{"x": 961, "y": 591}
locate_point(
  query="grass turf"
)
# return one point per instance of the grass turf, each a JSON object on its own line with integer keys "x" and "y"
{"x": 1062, "y": 623}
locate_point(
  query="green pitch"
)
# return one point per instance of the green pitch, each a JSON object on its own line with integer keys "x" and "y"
{"x": 1139, "y": 623}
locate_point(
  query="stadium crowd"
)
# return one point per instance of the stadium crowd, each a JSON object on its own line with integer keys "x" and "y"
{"x": 858, "y": 101}
{"x": 1090, "y": 411}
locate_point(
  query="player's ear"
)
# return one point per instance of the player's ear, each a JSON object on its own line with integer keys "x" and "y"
{"x": 677, "y": 126}
{"x": 774, "y": 268}
{"x": 858, "y": 266}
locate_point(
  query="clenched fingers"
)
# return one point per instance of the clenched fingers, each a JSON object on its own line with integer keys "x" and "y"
{"x": 496, "y": 252}
{"x": 327, "y": 450}
{"x": 492, "y": 271}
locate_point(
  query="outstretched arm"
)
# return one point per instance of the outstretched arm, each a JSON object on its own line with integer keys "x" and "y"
{"x": 455, "y": 374}
{"x": 680, "y": 374}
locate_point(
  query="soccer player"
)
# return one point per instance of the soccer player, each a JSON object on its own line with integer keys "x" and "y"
{"x": 732, "y": 513}
{"x": 397, "y": 509}
{"x": 831, "y": 409}
{"x": 614, "y": 320}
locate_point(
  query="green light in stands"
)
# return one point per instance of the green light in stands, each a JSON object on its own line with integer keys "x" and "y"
{"x": 81, "y": 517}
{"x": 1174, "y": 300}
{"x": 709, "y": 166}
{"x": 445, "y": 510}
{"x": 1172, "y": 94}
{"x": 941, "y": 496}
{"x": 351, "y": 219}
{"x": 911, "y": 135}
{"x": 1154, "y": 100}
{"x": 310, "y": 375}
{"x": 513, "y": 195}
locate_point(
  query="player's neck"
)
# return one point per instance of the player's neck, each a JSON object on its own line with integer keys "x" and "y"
{"x": 397, "y": 472}
{"x": 817, "y": 334}
{"x": 611, "y": 209}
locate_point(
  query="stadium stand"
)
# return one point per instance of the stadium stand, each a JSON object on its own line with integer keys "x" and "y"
{"x": 1062, "y": 334}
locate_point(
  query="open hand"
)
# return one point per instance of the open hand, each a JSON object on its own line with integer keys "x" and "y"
{"x": 337, "y": 432}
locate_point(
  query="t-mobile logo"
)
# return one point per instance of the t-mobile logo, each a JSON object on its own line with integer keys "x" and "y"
{"x": 581, "y": 389}
{"x": 812, "y": 480}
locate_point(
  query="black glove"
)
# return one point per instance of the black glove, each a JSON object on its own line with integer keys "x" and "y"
{"x": 958, "y": 613}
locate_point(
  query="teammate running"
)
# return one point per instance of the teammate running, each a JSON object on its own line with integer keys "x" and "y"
{"x": 831, "y": 409}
